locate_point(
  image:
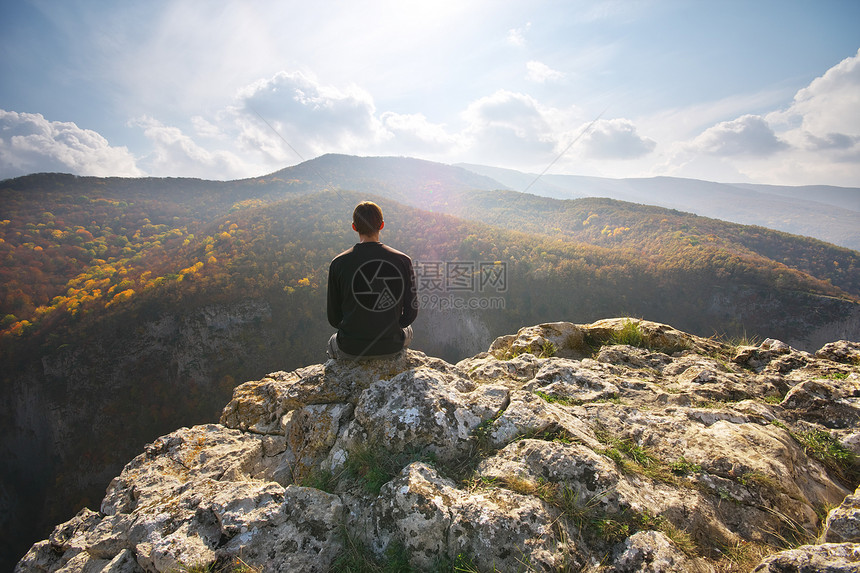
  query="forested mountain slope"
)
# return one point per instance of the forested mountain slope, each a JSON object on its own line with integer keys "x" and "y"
{"x": 667, "y": 237}
{"x": 55, "y": 226}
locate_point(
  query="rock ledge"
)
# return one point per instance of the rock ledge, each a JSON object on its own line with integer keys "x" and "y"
{"x": 617, "y": 446}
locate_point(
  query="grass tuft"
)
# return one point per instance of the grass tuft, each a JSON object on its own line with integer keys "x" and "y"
{"x": 682, "y": 467}
{"x": 234, "y": 565}
{"x": 630, "y": 334}
{"x": 322, "y": 480}
{"x": 356, "y": 557}
{"x": 822, "y": 446}
{"x": 551, "y": 399}
{"x": 547, "y": 349}
{"x": 375, "y": 466}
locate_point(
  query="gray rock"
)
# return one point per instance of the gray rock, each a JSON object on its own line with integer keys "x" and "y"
{"x": 416, "y": 510}
{"x": 566, "y": 380}
{"x": 428, "y": 410}
{"x": 843, "y": 351}
{"x": 829, "y": 403}
{"x": 544, "y": 459}
{"x": 563, "y": 339}
{"x": 592, "y": 479}
{"x": 508, "y": 531}
{"x": 825, "y": 558}
{"x": 652, "y": 552}
{"x": 843, "y": 523}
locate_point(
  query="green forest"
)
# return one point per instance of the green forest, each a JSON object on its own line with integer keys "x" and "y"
{"x": 77, "y": 249}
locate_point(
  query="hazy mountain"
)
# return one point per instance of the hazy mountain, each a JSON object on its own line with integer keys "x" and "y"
{"x": 401, "y": 178}
{"x": 843, "y": 197}
{"x": 828, "y": 213}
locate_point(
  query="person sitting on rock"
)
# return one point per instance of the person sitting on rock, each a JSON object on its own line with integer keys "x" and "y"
{"x": 371, "y": 293}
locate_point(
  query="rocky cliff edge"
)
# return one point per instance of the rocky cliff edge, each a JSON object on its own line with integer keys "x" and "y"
{"x": 621, "y": 445}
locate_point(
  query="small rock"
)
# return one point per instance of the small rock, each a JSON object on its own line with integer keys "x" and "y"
{"x": 843, "y": 523}
{"x": 652, "y": 552}
{"x": 824, "y": 558}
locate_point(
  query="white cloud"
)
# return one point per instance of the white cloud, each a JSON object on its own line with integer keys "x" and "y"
{"x": 415, "y": 132}
{"x": 509, "y": 126}
{"x": 743, "y": 149}
{"x": 517, "y": 111}
{"x": 542, "y": 73}
{"x": 823, "y": 117}
{"x": 830, "y": 104}
{"x": 177, "y": 155}
{"x": 813, "y": 140}
{"x": 836, "y": 141}
{"x": 679, "y": 124}
{"x": 516, "y": 36}
{"x": 205, "y": 128}
{"x": 746, "y": 135}
{"x": 30, "y": 143}
{"x": 310, "y": 116}
{"x": 616, "y": 139}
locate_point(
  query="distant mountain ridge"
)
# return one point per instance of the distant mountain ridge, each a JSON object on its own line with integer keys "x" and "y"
{"x": 827, "y": 213}
{"x": 395, "y": 177}
{"x": 457, "y": 191}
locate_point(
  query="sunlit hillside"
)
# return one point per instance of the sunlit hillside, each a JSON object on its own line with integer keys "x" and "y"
{"x": 78, "y": 248}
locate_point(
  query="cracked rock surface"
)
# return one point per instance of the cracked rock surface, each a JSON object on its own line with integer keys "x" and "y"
{"x": 560, "y": 449}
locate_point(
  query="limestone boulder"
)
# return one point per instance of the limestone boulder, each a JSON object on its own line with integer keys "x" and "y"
{"x": 194, "y": 498}
{"x": 258, "y": 406}
{"x": 843, "y": 523}
{"x": 310, "y": 432}
{"x": 772, "y": 356}
{"x": 653, "y": 552}
{"x": 654, "y": 335}
{"x": 844, "y": 351}
{"x": 590, "y": 479}
{"x": 563, "y": 339}
{"x": 830, "y": 402}
{"x": 428, "y": 410}
{"x": 563, "y": 379}
{"x": 824, "y": 558}
{"x": 512, "y": 373}
{"x": 528, "y": 414}
{"x": 633, "y": 357}
{"x": 509, "y": 531}
{"x": 416, "y": 510}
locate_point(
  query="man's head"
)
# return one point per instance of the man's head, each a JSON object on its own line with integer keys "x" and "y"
{"x": 367, "y": 218}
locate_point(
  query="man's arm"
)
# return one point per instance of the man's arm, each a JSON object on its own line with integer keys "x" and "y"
{"x": 334, "y": 310}
{"x": 410, "y": 297}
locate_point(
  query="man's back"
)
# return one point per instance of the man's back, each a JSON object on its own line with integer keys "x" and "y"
{"x": 371, "y": 299}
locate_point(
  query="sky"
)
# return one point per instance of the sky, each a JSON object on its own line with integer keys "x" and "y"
{"x": 732, "y": 91}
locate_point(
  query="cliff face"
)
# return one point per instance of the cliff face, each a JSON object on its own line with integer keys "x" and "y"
{"x": 621, "y": 445}
{"x": 72, "y": 418}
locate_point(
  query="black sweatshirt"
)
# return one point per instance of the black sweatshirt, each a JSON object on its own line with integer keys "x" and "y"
{"x": 371, "y": 299}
